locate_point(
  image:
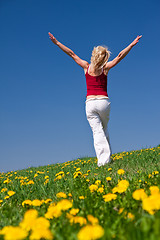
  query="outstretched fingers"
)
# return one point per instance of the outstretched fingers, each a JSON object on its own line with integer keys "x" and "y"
{"x": 138, "y": 37}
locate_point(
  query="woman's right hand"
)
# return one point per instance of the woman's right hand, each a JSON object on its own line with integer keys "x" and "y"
{"x": 136, "y": 40}
{"x": 53, "y": 39}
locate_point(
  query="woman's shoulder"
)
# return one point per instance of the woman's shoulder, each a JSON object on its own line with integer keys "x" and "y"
{"x": 86, "y": 68}
{"x": 105, "y": 71}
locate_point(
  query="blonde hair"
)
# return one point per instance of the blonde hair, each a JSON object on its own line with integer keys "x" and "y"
{"x": 100, "y": 56}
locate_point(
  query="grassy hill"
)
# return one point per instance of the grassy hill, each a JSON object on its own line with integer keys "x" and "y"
{"x": 79, "y": 200}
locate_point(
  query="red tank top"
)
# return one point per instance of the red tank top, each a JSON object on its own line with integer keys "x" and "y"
{"x": 96, "y": 85}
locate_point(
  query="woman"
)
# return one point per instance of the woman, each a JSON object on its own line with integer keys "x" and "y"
{"x": 97, "y": 101}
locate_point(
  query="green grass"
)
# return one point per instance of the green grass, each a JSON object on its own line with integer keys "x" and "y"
{"x": 142, "y": 168}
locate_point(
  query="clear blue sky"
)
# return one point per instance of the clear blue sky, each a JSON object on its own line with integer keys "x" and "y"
{"x": 42, "y": 90}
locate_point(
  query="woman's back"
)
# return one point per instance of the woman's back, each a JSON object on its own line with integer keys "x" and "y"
{"x": 97, "y": 84}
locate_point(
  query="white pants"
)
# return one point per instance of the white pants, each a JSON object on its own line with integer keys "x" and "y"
{"x": 97, "y": 112}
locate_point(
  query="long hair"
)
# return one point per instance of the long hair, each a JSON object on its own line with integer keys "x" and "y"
{"x": 100, "y": 56}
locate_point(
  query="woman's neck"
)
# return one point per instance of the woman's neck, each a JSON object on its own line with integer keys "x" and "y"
{"x": 95, "y": 71}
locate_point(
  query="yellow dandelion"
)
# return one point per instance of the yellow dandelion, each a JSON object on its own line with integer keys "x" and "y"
{"x": 101, "y": 189}
{"x": 29, "y": 219}
{"x": 61, "y": 195}
{"x": 115, "y": 189}
{"x": 155, "y": 198}
{"x": 149, "y": 205}
{"x": 7, "y": 180}
{"x": 59, "y": 177}
{"x": 27, "y": 202}
{"x": 139, "y": 194}
{"x": 121, "y": 186}
{"x": 38, "y": 234}
{"x": 40, "y": 223}
{"x": 6, "y": 197}
{"x": 60, "y": 173}
{"x": 74, "y": 211}
{"x": 93, "y": 220}
{"x": 4, "y": 189}
{"x": 93, "y": 187}
{"x": 11, "y": 232}
{"x": 53, "y": 211}
{"x": 68, "y": 215}
{"x": 36, "y": 202}
{"x": 64, "y": 204}
{"x": 30, "y": 182}
{"x": 108, "y": 178}
{"x": 77, "y": 173}
{"x": 98, "y": 182}
{"x": 120, "y": 171}
{"x": 154, "y": 190}
{"x": 130, "y": 216}
{"x": 120, "y": 210}
{"x": 109, "y": 197}
{"x": 109, "y": 169}
{"x": 11, "y": 193}
{"x": 70, "y": 194}
{"x": 78, "y": 219}
{"x": 40, "y": 229}
{"x": 90, "y": 232}
{"x": 81, "y": 197}
{"x": 46, "y": 181}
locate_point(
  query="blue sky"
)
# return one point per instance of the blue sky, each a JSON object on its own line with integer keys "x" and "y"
{"x": 42, "y": 90}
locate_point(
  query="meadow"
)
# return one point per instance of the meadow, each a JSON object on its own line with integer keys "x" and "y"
{"x": 77, "y": 200}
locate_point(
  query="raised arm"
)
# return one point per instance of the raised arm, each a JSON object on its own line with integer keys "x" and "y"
{"x": 122, "y": 54}
{"x": 84, "y": 64}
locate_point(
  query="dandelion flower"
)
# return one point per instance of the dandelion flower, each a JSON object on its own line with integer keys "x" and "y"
{"x": 90, "y": 232}
{"x": 11, "y": 193}
{"x": 130, "y": 216}
{"x": 98, "y": 182}
{"x": 139, "y": 194}
{"x": 154, "y": 189}
{"x": 74, "y": 211}
{"x": 70, "y": 194}
{"x": 48, "y": 200}
{"x": 81, "y": 197}
{"x": 39, "y": 234}
{"x": 93, "y": 187}
{"x": 120, "y": 171}
{"x": 93, "y": 220}
{"x": 109, "y": 169}
{"x": 53, "y": 211}
{"x": 101, "y": 189}
{"x": 78, "y": 219}
{"x": 27, "y": 202}
{"x": 29, "y": 219}
{"x": 61, "y": 195}
{"x": 36, "y": 203}
{"x": 121, "y": 186}
{"x": 108, "y": 178}
{"x": 64, "y": 204}
{"x": 11, "y": 232}
{"x": 109, "y": 197}
{"x": 3, "y": 189}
